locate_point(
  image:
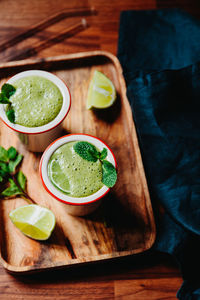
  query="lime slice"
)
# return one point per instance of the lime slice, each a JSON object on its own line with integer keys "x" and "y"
{"x": 57, "y": 177}
{"x": 101, "y": 93}
{"x": 34, "y": 221}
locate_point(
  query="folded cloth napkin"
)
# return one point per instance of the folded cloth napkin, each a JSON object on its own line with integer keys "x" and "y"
{"x": 159, "y": 52}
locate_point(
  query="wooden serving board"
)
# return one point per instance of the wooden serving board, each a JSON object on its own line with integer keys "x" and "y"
{"x": 124, "y": 223}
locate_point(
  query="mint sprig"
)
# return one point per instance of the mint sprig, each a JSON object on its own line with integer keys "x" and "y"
{"x": 7, "y": 91}
{"x": 89, "y": 152}
{"x": 12, "y": 182}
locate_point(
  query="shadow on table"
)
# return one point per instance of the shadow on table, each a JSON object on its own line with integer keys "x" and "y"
{"x": 148, "y": 265}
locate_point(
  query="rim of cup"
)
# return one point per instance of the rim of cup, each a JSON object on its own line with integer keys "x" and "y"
{"x": 58, "y": 119}
{"x": 48, "y": 185}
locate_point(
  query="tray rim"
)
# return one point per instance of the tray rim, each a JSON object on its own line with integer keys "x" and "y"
{"x": 117, "y": 254}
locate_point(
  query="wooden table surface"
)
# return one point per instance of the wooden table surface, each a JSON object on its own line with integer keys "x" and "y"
{"x": 149, "y": 276}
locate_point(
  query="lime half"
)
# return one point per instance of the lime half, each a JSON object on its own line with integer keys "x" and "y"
{"x": 34, "y": 221}
{"x": 101, "y": 93}
{"x": 57, "y": 177}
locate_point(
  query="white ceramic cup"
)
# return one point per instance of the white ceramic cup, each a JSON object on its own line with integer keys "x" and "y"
{"x": 77, "y": 206}
{"x": 36, "y": 139}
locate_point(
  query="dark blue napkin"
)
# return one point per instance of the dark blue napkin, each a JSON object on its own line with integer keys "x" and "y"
{"x": 159, "y": 52}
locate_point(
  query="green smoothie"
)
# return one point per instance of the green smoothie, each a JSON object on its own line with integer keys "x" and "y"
{"x": 36, "y": 102}
{"x": 72, "y": 174}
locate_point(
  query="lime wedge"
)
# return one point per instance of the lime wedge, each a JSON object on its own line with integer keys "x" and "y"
{"x": 34, "y": 221}
{"x": 101, "y": 92}
{"x": 57, "y": 177}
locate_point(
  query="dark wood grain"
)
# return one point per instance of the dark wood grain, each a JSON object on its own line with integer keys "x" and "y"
{"x": 150, "y": 277}
{"x": 44, "y": 24}
{"x": 38, "y": 46}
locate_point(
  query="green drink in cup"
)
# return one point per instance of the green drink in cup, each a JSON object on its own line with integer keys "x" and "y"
{"x": 37, "y": 104}
{"x": 72, "y": 174}
{"x": 36, "y": 101}
{"x": 78, "y": 170}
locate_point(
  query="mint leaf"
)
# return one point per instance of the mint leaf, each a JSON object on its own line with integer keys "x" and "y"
{"x": 12, "y": 190}
{"x": 109, "y": 174}
{"x": 2, "y": 175}
{"x": 87, "y": 151}
{"x": 4, "y": 167}
{"x": 4, "y": 99}
{"x": 4, "y": 171}
{"x": 12, "y": 152}
{"x": 8, "y": 90}
{"x": 11, "y": 115}
{"x": 104, "y": 153}
{"x": 3, "y": 154}
{"x": 21, "y": 179}
{"x": 14, "y": 163}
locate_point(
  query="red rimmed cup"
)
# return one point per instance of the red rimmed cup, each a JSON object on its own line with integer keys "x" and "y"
{"x": 36, "y": 139}
{"x": 78, "y": 206}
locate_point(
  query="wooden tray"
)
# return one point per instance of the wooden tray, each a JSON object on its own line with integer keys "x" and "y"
{"x": 124, "y": 223}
